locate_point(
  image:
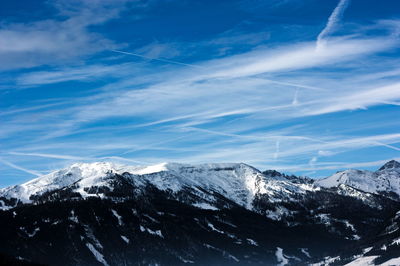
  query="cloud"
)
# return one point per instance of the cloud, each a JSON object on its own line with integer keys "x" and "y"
{"x": 325, "y": 153}
{"x": 32, "y": 172}
{"x": 333, "y": 20}
{"x": 62, "y": 38}
{"x": 156, "y": 58}
{"x": 77, "y": 73}
{"x": 295, "y": 97}
{"x": 312, "y": 161}
{"x": 266, "y": 106}
{"x": 53, "y": 156}
{"x": 276, "y": 154}
{"x": 359, "y": 99}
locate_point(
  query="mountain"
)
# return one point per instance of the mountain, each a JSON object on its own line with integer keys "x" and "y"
{"x": 239, "y": 183}
{"x": 384, "y": 181}
{"x": 210, "y": 214}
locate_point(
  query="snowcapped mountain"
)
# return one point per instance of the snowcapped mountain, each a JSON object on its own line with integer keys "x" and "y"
{"x": 210, "y": 214}
{"x": 386, "y": 180}
{"x": 237, "y": 182}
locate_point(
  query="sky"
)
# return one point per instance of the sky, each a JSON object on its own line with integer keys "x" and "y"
{"x": 306, "y": 87}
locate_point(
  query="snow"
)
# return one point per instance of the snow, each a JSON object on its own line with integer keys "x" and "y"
{"x": 251, "y": 242}
{"x": 125, "y": 239}
{"x": 86, "y": 174}
{"x": 205, "y": 206}
{"x": 278, "y": 213}
{"x": 305, "y": 252}
{"x": 91, "y": 236}
{"x": 115, "y": 213}
{"x": 230, "y": 256}
{"x": 99, "y": 257}
{"x": 236, "y": 181}
{"x": 151, "y": 218}
{"x": 366, "y": 250}
{"x": 224, "y": 253}
{"x": 34, "y": 232}
{"x": 386, "y": 179}
{"x": 210, "y": 247}
{"x": 368, "y": 260}
{"x": 73, "y": 218}
{"x": 324, "y": 218}
{"x": 185, "y": 260}
{"x": 280, "y": 257}
{"x": 157, "y": 232}
{"x": 215, "y": 229}
{"x": 349, "y": 225}
{"x": 327, "y": 261}
{"x": 151, "y": 169}
{"x": 395, "y": 242}
{"x": 30, "y": 234}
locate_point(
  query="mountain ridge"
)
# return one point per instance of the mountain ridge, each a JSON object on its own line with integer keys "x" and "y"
{"x": 208, "y": 214}
{"x": 87, "y": 174}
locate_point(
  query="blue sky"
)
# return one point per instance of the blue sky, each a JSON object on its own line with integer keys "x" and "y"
{"x": 302, "y": 86}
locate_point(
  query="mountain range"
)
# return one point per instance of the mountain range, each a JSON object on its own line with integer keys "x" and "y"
{"x": 210, "y": 214}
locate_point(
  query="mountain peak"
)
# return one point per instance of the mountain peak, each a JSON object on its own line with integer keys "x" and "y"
{"x": 390, "y": 165}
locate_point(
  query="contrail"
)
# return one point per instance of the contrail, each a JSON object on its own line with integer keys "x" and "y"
{"x": 157, "y": 59}
{"x": 276, "y": 154}
{"x": 333, "y": 19}
{"x": 46, "y": 155}
{"x": 32, "y": 172}
{"x": 295, "y": 98}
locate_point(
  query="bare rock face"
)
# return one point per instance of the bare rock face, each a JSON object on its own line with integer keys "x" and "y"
{"x": 390, "y": 165}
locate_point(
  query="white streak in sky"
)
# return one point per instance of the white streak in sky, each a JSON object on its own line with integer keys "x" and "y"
{"x": 157, "y": 59}
{"x": 312, "y": 161}
{"x": 276, "y": 154}
{"x": 333, "y": 20}
{"x": 295, "y": 98}
{"x": 46, "y": 155}
{"x": 32, "y": 172}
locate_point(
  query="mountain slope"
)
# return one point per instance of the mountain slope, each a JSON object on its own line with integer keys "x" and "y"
{"x": 209, "y": 214}
{"x": 238, "y": 182}
{"x": 384, "y": 181}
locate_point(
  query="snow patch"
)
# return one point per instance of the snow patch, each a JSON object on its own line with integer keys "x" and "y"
{"x": 215, "y": 229}
{"x": 125, "y": 239}
{"x": 305, "y": 252}
{"x": 73, "y": 218}
{"x": 157, "y": 232}
{"x": 205, "y": 206}
{"x": 368, "y": 260}
{"x": 185, "y": 260}
{"x": 99, "y": 257}
{"x": 30, "y": 234}
{"x": 278, "y": 213}
{"x": 252, "y": 242}
{"x": 282, "y": 260}
{"x": 115, "y": 213}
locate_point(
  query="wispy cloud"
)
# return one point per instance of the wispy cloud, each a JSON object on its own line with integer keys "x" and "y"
{"x": 333, "y": 20}
{"x": 264, "y": 103}
{"x": 53, "y": 156}
{"x": 12, "y": 165}
{"x": 62, "y": 38}
{"x": 156, "y": 59}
